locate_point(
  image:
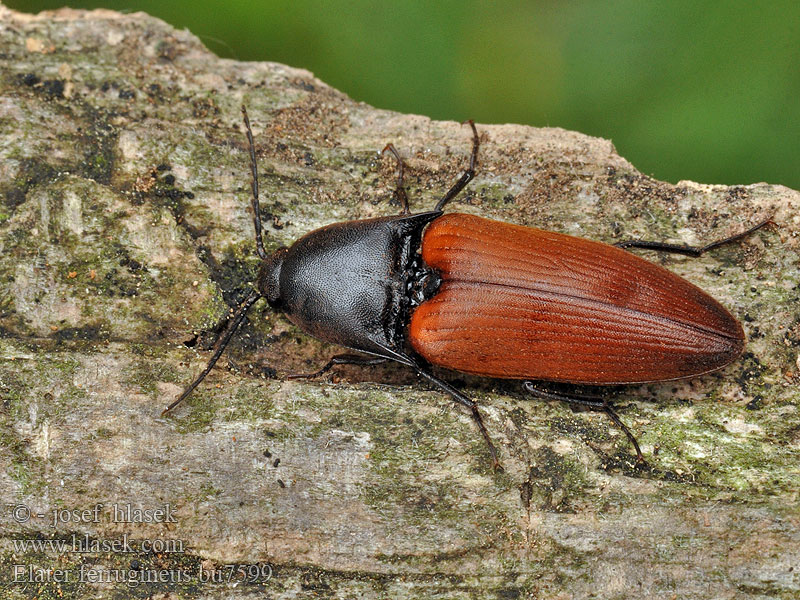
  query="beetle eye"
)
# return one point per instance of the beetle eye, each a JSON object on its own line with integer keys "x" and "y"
{"x": 269, "y": 276}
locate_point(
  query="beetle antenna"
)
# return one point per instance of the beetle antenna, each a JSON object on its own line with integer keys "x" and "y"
{"x": 254, "y": 187}
{"x": 467, "y": 176}
{"x": 233, "y": 325}
{"x": 592, "y": 402}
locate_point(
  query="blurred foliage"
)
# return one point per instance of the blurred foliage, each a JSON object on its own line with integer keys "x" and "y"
{"x": 685, "y": 90}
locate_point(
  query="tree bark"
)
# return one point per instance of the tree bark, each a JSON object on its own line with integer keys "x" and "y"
{"x": 126, "y": 234}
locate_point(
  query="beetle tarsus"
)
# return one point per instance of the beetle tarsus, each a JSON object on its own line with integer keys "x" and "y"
{"x": 340, "y": 359}
{"x": 233, "y": 325}
{"x": 399, "y": 191}
{"x": 467, "y": 176}
{"x": 693, "y": 251}
{"x": 593, "y": 403}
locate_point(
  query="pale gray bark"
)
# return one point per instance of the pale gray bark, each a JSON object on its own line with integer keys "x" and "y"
{"x": 124, "y": 222}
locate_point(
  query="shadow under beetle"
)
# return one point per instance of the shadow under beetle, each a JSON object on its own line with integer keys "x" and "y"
{"x": 491, "y": 299}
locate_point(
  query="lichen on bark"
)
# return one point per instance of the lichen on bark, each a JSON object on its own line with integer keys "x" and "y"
{"x": 125, "y": 234}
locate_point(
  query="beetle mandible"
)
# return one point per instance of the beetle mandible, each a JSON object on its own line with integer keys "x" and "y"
{"x": 492, "y": 299}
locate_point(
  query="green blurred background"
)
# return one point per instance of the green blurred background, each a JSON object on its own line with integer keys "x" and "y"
{"x": 685, "y": 89}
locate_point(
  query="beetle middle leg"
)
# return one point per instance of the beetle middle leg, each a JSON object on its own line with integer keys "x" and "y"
{"x": 470, "y": 404}
{"x": 467, "y": 176}
{"x": 340, "y": 359}
{"x": 355, "y": 359}
{"x": 693, "y": 251}
{"x": 593, "y": 403}
{"x": 459, "y": 185}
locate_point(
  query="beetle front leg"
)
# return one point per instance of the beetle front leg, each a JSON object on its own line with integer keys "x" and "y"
{"x": 693, "y": 251}
{"x": 593, "y": 403}
{"x": 340, "y": 359}
{"x": 399, "y": 191}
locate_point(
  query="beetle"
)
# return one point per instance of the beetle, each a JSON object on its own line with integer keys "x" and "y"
{"x": 470, "y": 294}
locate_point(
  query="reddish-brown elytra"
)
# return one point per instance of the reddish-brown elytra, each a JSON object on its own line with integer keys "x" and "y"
{"x": 492, "y": 299}
{"x": 522, "y": 303}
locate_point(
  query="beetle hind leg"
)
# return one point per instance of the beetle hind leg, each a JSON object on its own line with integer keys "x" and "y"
{"x": 693, "y": 251}
{"x": 593, "y": 403}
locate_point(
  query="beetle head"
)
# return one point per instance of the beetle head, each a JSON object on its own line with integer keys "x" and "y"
{"x": 269, "y": 276}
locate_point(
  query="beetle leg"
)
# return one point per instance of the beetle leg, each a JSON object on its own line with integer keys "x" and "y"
{"x": 233, "y": 325}
{"x": 593, "y": 403}
{"x": 470, "y": 404}
{"x": 399, "y": 191}
{"x": 693, "y": 251}
{"x": 340, "y": 359}
{"x": 467, "y": 176}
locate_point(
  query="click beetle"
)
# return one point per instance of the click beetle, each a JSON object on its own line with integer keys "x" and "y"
{"x": 493, "y": 299}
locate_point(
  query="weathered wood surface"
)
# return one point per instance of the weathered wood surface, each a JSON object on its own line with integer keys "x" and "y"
{"x": 124, "y": 231}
